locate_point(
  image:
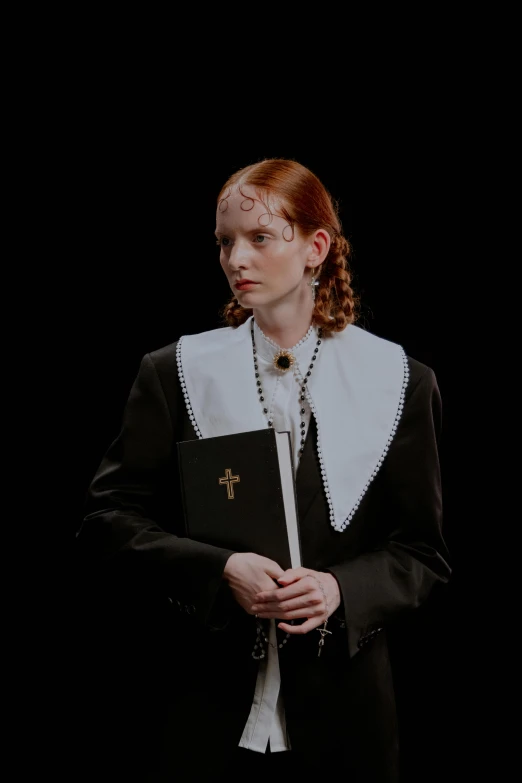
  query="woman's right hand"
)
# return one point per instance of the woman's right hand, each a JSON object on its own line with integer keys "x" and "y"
{"x": 248, "y": 574}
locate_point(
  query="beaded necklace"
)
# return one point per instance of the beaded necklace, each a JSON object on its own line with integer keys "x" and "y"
{"x": 283, "y": 360}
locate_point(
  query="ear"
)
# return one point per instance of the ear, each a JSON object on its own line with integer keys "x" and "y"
{"x": 319, "y": 246}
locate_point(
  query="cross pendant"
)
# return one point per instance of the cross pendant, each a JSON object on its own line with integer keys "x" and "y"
{"x": 323, "y": 633}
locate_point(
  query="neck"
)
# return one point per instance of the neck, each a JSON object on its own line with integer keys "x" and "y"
{"x": 285, "y": 331}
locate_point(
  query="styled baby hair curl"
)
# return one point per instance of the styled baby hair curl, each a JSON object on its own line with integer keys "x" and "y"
{"x": 304, "y": 202}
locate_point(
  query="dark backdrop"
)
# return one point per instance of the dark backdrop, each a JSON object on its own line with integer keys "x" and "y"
{"x": 148, "y": 266}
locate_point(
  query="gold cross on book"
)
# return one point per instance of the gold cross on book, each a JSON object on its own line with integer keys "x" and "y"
{"x": 229, "y": 480}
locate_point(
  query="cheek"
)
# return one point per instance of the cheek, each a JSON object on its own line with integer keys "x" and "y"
{"x": 285, "y": 262}
{"x": 285, "y": 270}
{"x": 277, "y": 264}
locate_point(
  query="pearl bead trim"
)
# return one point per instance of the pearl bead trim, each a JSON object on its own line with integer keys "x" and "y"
{"x": 184, "y": 389}
{"x": 339, "y": 526}
{"x": 294, "y": 347}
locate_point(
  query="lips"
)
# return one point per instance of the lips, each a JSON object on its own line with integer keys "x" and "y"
{"x": 244, "y": 285}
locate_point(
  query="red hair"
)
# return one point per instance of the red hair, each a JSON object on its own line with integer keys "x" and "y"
{"x": 304, "y": 202}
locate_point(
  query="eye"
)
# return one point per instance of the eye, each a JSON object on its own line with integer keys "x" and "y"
{"x": 259, "y": 239}
{"x": 223, "y": 242}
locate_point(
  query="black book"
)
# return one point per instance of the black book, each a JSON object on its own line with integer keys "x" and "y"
{"x": 239, "y": 493}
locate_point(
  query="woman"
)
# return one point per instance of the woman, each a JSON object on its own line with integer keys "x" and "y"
{"x": 230, "y": 666}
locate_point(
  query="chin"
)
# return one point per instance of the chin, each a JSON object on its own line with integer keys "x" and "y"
{"x": 246, "y": 297}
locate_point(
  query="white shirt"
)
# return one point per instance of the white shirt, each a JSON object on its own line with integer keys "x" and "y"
{"x": 282, "y": 392}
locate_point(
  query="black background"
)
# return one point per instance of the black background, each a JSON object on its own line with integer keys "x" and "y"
{"x": 147, "y": 271}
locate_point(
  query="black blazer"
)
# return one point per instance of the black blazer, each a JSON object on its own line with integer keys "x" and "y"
{"x": 178, "y": 671}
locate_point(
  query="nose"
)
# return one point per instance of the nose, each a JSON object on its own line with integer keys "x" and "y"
{"x": 238, "y": 257}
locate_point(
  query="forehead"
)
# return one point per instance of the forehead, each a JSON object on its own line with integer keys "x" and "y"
{"x": 244, "y": 207}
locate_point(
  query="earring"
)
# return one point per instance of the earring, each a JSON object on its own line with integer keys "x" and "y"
{"x": 313, "y": 285}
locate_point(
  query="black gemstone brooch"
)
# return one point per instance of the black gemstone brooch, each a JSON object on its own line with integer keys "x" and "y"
{"x": 283, "y": 360}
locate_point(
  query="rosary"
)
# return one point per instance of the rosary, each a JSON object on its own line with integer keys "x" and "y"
{"x": 323, "y": 633}
{"x": 283, "y": 361}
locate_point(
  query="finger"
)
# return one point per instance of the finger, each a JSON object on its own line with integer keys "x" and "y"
{"x": 292, "y": 575}
{"x": 285, "y": 593}
{"x": 296, "y": 614}
{"x": 312, "y": 600}
{"x": 274, "y": 570}
{"x": 296, "y": 630}
{"x": 267, "y": 597}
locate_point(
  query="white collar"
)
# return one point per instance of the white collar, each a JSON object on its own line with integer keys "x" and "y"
{"x": 356, "y": 394}
{"x": 267, "y": 348}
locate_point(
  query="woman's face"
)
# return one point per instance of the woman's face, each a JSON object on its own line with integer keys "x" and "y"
{"x": 263, "y": 258}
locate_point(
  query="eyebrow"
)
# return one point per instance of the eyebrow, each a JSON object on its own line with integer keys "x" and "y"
{"x": 258, "y": 230}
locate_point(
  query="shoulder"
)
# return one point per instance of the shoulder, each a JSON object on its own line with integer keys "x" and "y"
{"x": 163, "y": 355}
{"x": 421, "y": 377}
{"x": 355, "y": 338}
{"x": 166, "y": 353}
{"x": 418, "y": 372}
{"x": 164, "y": 359}
{"x": 384, "y": 353}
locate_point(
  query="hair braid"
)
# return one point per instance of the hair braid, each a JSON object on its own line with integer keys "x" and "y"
{"x": 336, "y": 304}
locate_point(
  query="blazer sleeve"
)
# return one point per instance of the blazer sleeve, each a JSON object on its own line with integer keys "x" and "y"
{"x": 377, "y": 586}
{"x": 132, "y": 508}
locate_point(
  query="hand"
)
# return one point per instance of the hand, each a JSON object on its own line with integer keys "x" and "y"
{"x": 300, "y": 596}
{"x": 248, "y": 574}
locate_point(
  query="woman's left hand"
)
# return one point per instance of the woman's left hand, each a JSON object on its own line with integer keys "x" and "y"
{"x": 304, "y": 593}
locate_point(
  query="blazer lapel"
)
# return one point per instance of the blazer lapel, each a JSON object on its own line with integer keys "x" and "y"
{"x": 308, "y": 477}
